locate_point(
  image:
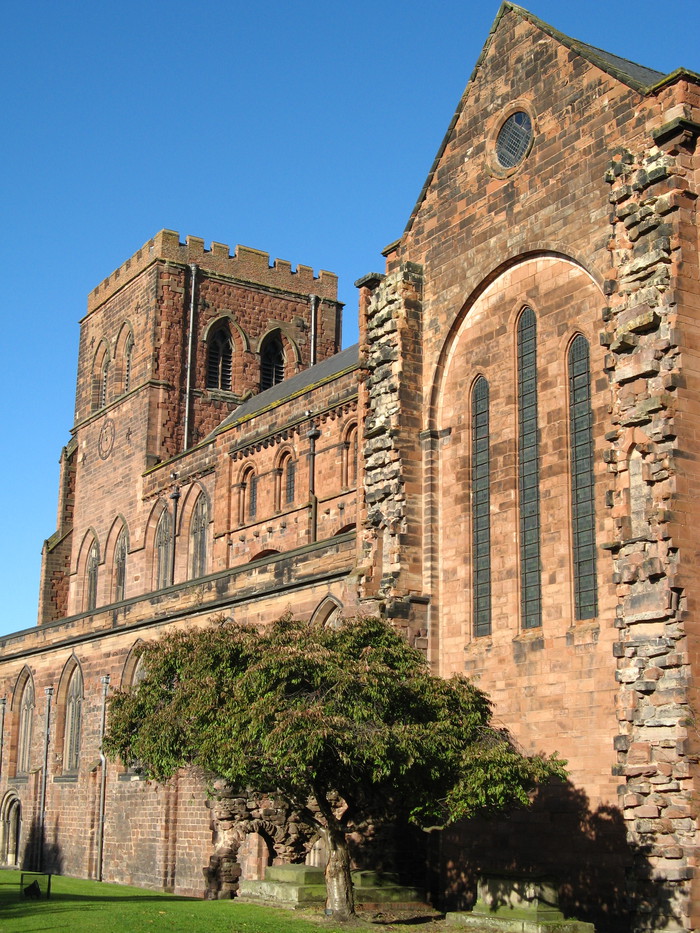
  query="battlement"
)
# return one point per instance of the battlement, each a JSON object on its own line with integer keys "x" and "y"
{"x": 250, "y": 265}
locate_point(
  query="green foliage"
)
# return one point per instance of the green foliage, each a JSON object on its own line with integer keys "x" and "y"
{"x": 312, "y": 711}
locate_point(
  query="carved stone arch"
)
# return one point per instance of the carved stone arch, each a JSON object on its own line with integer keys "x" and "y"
{"x": 482, "y": 339}
{"x": 123, "y": 357}
{"x": 291, "y": 354}
{"x": 240, "y": 338}
{"x": 116, "y": 551}
{"x": 196, "y": 517}
{"x": 247, "y": 492}
{"x": 24, "y": 675}
{"x": 189, "y": 501}
{"x": 71, "y": 664}
{"x": 327, "y": 613}
{"x": 99, "y": 382}
{"x": 158, "y": 550}
{"x": 480, "y": 293}
{"x": 10, "y": 829}
{"x": 266, "y": 552}
{"x": 87, "y": 566}
{"x": 344, "y": 529}
{"x": 23, "y": 708}
{"x": 131, "y": 665}
{"x": 284, "y": 472}
{"x": 349, "y": 452}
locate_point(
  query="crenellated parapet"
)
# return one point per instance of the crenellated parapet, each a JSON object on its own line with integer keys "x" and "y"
{"x": 650, "y": 365}
{"x": 245, "y": 264}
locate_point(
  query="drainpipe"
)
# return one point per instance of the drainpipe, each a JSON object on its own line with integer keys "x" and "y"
{"x": 175, "y": 496}
{"x": 42, "y": 801}
{"x": 314, "y": 326}
{"x": 313, "y": 434}
{"x": 190, "y": 340}
{"x": 103, "y": 778}
{"x": 3, "y": 701}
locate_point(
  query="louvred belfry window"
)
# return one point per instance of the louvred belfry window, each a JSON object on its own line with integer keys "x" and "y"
{"x": 271, "y": 362}
{"x": 220, "y": 360}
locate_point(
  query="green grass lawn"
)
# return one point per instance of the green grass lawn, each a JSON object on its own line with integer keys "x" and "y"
{"x": 91, "y": 907}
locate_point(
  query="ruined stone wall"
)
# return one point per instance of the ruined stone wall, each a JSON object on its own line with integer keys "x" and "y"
{"x": 652, "y": 468}
{"x": 391, "y": 541}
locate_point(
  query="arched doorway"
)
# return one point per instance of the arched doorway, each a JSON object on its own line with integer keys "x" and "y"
{"x": 11, "y": 830}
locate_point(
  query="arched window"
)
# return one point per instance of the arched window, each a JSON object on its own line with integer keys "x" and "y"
{"x": 582, "y": 482}
{"x": 103, "y": 382}
{"x": 528, "y": 473}
{"x": 349, "y": 477}
{"x": 91, "y": 568}
{"x": 24, "y": 735}
{"x": 73, "y": 721}
{"x": 220, "y": 359}
{"x": 164, "y": 551}
{"x": 481, "y": 509}
{"x": 198, "y": 537}
{"x": 248, "y": 496}
{"x": 271, "y": 361}
{"x": 128, "y": 357}
{"x": 120, "y": 552}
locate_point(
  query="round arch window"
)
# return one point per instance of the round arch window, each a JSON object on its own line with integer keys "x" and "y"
{"x": 514, "y": 139}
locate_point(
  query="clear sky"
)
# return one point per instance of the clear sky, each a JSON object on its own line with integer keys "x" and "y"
{"x": 304, "y": 129}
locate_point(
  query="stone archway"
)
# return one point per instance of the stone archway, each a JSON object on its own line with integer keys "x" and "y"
{"x": 11, "y": 829}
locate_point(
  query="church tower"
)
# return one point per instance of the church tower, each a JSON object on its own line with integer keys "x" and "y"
{"x": 172, "y": 342}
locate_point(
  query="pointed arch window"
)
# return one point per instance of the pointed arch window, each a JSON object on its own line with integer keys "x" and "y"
{"x": 289, "y": 477}
{"x": 73, "y": 721}
{"x": 582, "y": 482}
{"x": 120, "y": 552}
{"x": 104, "y": 377}
{"x": 164, "y": 551}
{"x": 91, "y": 571}
{"x": 248, "y": 496}
{"x": 481, "y": 509}
{"x": 220, "y": 359}
{"x": 350, "y": 458}
{"x": 24, "y": 737}
{"x": 528, "y": 473}
{"x": 271, "y": 362}
{"x": 198, "y": 535}
{"x": 128, "y": 359}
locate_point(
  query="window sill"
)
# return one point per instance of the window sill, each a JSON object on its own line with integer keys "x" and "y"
{"x": 19, "y": 779}
{"x": 71, "y": 778}
{"x": 130, "y": 776}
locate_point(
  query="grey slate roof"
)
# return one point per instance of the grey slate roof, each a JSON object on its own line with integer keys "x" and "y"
{"x": 295, "y": 385}
{"x": 621, "y": 66}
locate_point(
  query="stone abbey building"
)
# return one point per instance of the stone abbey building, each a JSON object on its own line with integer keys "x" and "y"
{"x": 506, "y": 466}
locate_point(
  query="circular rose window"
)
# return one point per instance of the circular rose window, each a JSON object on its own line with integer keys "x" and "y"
{"x": 513, "y": 140}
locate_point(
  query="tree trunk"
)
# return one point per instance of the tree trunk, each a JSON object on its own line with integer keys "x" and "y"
{"x": 340, "y": 899}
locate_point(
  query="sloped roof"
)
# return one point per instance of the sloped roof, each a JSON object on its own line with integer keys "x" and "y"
{"x": 638, "y": 77}
{"x": 328, "y": 369}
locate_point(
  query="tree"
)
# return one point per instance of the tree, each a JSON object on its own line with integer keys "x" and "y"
{"x": 349, "y": 712}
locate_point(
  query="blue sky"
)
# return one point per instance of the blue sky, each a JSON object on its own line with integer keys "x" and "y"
{"x": 302, "y": 129}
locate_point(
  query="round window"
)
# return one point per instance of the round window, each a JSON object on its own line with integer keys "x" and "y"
{"x": 513, "y": 140}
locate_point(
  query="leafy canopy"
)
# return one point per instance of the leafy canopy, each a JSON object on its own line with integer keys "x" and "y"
{"x": 307, "y": 710}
